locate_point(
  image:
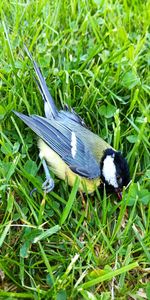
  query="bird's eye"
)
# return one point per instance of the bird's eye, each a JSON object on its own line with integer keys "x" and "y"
{"x": 119, "y": 179}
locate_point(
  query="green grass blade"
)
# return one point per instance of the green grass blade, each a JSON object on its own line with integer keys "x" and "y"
{"x": 108, "y": 276}
{"x": 70, "y": 202}
{"x": 4, "y": 233}
{"x": 47, "y": 233}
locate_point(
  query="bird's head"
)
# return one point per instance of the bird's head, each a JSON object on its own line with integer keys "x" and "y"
{"x": 115, "y": 171}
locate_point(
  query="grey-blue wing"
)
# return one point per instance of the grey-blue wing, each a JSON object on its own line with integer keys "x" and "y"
{"x": 71, "y": 116}
{"x": 65, "y": 143}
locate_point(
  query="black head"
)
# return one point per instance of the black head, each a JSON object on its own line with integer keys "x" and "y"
{"x": 115, "y": 170}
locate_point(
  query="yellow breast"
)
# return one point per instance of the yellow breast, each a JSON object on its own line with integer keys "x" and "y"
{"x": 62, "y": 170}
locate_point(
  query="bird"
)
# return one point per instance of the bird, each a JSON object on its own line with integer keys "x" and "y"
{"x": 70, "y": 150}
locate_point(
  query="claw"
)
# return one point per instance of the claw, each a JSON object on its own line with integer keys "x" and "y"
{"x": 33, "y": 191}
{"x": 48, "y": 185}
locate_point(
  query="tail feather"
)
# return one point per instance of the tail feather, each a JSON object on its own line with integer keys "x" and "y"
{"x": 49, "y": 105}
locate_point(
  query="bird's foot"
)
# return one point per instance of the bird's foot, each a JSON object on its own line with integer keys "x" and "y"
{"x": 48, "y": 185}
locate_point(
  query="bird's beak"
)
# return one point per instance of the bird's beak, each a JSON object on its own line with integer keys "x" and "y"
{"x": 119, "y": 193}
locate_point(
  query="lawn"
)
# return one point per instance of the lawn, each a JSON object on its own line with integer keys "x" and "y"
{"x": 95, "y": 57}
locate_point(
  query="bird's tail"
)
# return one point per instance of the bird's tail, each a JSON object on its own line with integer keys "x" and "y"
{"x": 49, "y": 105}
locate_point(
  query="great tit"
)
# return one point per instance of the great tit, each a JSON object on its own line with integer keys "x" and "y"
{"x": 71, "y": 150}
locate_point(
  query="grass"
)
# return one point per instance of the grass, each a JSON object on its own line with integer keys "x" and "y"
{"x": 95, "y": 56}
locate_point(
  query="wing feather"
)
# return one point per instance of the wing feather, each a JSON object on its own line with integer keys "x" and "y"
{"x": 59, "y": 138}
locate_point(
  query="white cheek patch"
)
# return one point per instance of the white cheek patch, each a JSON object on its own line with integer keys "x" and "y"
{"x": 109, "y": 171}
{"x": 73, "y": 144}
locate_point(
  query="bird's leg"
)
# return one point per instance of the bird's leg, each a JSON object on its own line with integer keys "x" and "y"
{"x": 48, "y": 184}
